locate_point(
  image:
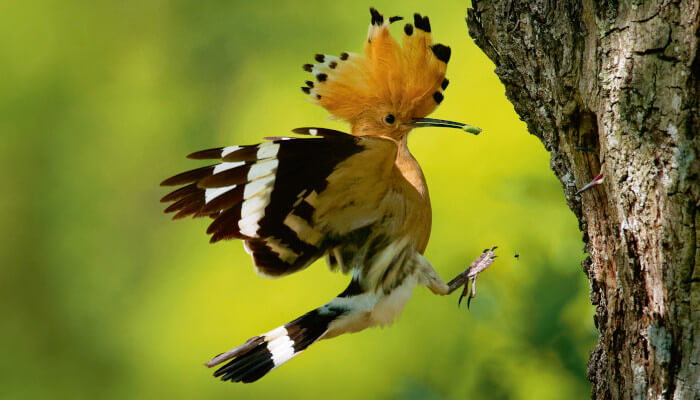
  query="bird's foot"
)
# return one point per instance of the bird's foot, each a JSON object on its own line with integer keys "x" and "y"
{"x": 470, "y": 274}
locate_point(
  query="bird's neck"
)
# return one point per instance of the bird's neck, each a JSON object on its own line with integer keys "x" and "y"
{"x": 410, "y": 169}
{"x": 420, "y": 212}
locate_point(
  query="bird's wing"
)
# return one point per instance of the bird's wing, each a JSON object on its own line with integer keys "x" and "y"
{"x": 289, "y": 199}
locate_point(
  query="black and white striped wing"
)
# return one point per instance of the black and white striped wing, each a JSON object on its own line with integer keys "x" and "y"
{"x": 258, "y": 193}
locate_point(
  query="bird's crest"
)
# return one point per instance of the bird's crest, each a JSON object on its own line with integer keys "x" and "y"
{"x": 404, "y": 79}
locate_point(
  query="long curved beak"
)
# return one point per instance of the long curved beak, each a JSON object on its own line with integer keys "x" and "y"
{"x": 424, "y": 122}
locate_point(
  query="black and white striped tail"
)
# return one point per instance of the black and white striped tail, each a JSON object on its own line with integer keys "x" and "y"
{"x": 261, "y": 354}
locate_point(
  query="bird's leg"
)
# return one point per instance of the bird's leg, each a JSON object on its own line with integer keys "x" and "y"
{"x": 432, "y": 280}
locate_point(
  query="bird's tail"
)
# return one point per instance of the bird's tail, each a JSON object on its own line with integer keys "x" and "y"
{"x": 261, "y": 354}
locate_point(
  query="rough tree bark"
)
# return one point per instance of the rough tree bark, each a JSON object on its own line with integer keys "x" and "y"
{"x": 621, "y": 80}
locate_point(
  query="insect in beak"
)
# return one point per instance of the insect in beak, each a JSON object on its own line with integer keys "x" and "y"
{"x": 425, "y": 122}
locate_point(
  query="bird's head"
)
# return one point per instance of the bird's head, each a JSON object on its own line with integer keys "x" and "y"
{"x": 391, "y": 88}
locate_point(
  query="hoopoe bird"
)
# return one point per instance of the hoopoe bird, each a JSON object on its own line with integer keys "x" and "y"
{"x": 359, "y": 199}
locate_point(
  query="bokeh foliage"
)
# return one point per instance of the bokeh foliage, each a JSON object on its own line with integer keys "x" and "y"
{"x": 104, "y": 297}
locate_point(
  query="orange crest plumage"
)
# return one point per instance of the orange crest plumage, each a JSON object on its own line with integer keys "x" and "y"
{"x": 406, "y": 80}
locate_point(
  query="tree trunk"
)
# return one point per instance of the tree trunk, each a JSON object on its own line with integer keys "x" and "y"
{"x": 612, "y": 86}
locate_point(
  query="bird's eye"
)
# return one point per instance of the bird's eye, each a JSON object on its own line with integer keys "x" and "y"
{"x": 389, "y": 119}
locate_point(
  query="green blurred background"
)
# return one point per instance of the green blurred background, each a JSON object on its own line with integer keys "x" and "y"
{"x": 105, "y": 297}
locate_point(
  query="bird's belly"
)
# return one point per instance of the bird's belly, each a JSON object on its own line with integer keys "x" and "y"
{"x": 389, "y": 307}
{"x": 378, "y": 310}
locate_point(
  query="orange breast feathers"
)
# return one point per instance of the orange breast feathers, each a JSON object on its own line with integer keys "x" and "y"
{"x": 393, "y": 194}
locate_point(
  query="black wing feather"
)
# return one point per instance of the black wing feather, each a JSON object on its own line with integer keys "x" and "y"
{"x": 302, "y": 166}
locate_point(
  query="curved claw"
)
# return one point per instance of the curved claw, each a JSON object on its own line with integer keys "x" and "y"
{"x": 466, "y": 291}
